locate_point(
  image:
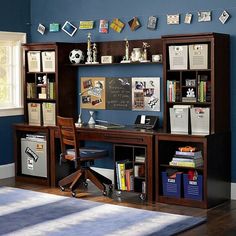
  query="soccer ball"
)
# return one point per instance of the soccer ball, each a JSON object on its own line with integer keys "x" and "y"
{"x": 76, "y": 56}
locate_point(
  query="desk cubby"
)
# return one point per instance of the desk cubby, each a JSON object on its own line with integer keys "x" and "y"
{"x": 130, "y": 169}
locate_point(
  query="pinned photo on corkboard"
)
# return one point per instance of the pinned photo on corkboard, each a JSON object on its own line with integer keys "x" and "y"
{"x": 93, "y": 92}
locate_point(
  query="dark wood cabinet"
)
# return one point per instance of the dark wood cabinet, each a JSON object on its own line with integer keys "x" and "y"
{"x": 60, "y": 85}
{"x": 210, "y": 86}
{"x": 216, "y": 76}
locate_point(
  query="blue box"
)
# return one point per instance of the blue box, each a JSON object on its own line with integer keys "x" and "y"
{"x": 193, "y": 188}
{"x": 171, "y": 187}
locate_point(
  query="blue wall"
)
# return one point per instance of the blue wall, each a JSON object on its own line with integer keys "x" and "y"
{"x": 48, "y": 11}
{"x": 14, "y": 16}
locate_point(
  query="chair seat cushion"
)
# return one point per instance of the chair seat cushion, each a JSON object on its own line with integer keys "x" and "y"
{"x": 85, "y": 152}
{"x": 92, "y": 152}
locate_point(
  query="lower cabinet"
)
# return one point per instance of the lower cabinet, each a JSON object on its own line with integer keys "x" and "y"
{"x": 31, "y": 151}
{"x": 202, "y": 181}
{"x": 130, "y": 169}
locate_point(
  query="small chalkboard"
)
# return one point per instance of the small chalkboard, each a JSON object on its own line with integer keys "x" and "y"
{"x": 118, "y": 93}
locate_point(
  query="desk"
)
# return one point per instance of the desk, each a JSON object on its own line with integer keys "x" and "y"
{"x": 124, "y": 136}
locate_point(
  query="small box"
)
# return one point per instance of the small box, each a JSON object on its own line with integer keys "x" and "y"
{"x": 106, "y": 59}
{"x": 198, "y": 56}
{"x": 200, "y": 120}
{"x": 178, "y": 57}
{"x": 193, "y": 189}
{"x": 179, "y": 120}
{"x": 171, "y": 187}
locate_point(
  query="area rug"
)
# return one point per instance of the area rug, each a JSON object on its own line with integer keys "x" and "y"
{"x": 24, "y": 212}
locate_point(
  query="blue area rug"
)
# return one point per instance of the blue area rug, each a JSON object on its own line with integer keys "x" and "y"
{"x": 24, "y": 212}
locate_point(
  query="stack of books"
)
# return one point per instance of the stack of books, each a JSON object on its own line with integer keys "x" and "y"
{"x": 187, "y": 159}
{"x": 125, "y": 175}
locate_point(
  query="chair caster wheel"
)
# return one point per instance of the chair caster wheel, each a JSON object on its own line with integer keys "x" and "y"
{"x": 142, "y": 196}
{"x": 111, "y": 187}
{"x": 104, "y": 193}
{"x": 73, "y": 194}
{"x": 118, "y": 193}
{"x": 62, "y": 188}
{"x": 85, "y": 184}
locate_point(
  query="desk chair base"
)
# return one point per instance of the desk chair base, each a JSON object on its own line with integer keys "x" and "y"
{"x": 82, "y": 175}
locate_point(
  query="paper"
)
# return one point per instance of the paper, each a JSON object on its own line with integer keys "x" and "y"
{"x": 48, "y": 59}
{"x": 49, "y": 114}
{"x": 198, "y": 56}
{"x": 178, "y": 56}
{"x": 34, "y": 113}
{"x": 34, "y": 64}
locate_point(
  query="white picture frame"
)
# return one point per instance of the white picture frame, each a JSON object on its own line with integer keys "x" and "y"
{"x": 69, "y": 28}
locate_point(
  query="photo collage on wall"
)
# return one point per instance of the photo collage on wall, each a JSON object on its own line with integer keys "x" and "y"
{"x": 137, "y": 93}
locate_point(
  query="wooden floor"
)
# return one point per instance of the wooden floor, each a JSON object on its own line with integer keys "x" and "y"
{"x": 221, "y": 220}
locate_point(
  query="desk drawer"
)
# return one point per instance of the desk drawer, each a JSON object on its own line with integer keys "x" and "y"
{"x": 111, "y": 137}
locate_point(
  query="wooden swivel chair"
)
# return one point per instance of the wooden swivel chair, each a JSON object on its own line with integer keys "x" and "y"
{"x": 71, "y": 150}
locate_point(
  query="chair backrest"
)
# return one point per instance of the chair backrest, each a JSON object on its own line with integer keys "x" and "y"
{"x": 68, "y": 137}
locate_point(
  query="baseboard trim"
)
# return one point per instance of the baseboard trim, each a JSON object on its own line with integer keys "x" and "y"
{"x": 233, "y": 191}
{"x": 7, "y": 171}
{"x": 109, "y": 173}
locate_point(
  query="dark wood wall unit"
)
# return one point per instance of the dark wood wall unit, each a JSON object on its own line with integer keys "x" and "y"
{"x": 216, "y": 146}
{"x": 215, "y": 171}
{"x": 217, "y": 71}
{"x": 64, "y": 78}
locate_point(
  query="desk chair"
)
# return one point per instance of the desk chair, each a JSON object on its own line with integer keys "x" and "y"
{"x": 71, "y": 151}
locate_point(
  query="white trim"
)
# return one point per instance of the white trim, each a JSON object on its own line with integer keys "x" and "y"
{"x": 109, "y": 173}
{"x": 11, "y": 112}
{"x": 7, "y": 171}
{"x": 233, "y": 191}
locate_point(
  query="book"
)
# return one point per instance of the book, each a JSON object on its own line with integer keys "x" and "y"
{"x": 34, "y": 61}
{"x": 191, "y": 154}
{"x": 34, "y": 113}
{"x": 49, "y": 114}
{"x": 186, "y": 159}
{"x": 186, "y": 164}
{"x": 31, "y": 90}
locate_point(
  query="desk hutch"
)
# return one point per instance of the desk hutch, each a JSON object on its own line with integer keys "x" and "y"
{"x": 157, "y": 146}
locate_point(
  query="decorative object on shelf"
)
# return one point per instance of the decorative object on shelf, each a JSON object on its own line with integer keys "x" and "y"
{"x": 136, "y": 54}
{"x": 89, "y": 50}
{"x": 106, "y": 59}
{"x": 91, "y": 121}
{"x": 95, "y": 54}
{"x": 117, "y": 25}
{"x": 126, "y": 58}
{"x": 41, "y": 29}
{"x": 224, "y": 16}
{"x": 103, "y": 26}
{"x": 204, "y": 16}
{"x": 188, "y": 18}
{"x": 54, "y": 27}
{"x": 190, "y": 93}
{"x": 173, "y": 19}
{"x": 88, "y": 24}
{"x": 157, "y": 58}
{"x": 144, "y": 56}
{"x": 69, "y": 28}
{"x": 152, "y": 22}
{"x": 134, "y": 24}
{"x": 76, "y": 56}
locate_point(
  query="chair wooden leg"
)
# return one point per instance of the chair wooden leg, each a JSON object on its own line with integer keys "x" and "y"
{"x": 95, "y": 180}
{"x": 68, "y": 179}
{"x": 75, "y": 180}
{"x": 102, "y": 178}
